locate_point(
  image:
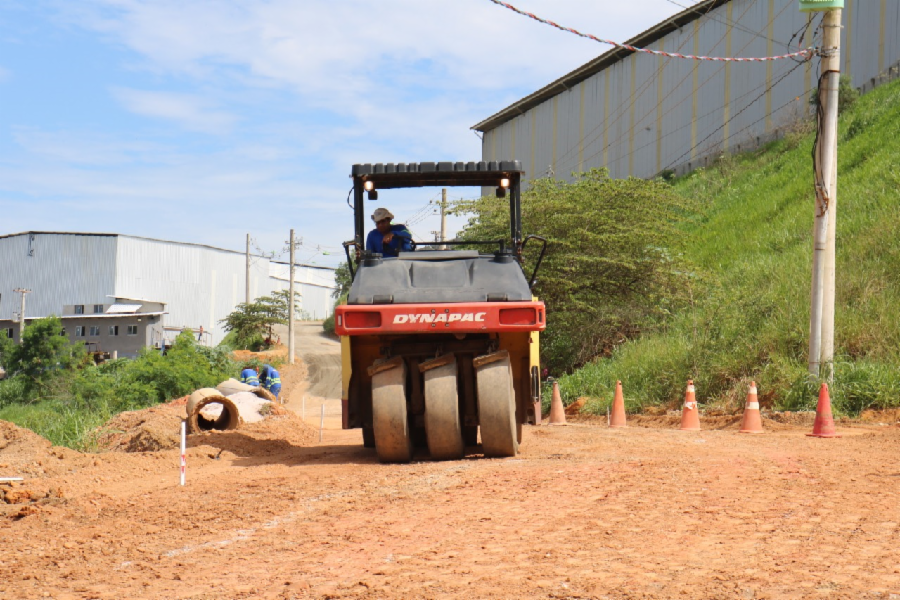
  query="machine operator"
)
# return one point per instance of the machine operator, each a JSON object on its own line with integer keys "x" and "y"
{"x": 387, "y": 239}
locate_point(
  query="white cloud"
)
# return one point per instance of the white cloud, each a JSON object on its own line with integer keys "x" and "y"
{"x": 190, "y": 111}
{"x": 305, "y": 89}
{"x": 356, "y": 58}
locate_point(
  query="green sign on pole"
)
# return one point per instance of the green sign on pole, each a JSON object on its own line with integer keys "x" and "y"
{"x": 820, "y": 5}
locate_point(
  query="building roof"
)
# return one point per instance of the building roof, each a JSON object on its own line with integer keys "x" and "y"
{"x": 91, "y": 316}
{"x": 598, "y": 64}
{"x": 124, "y": 235}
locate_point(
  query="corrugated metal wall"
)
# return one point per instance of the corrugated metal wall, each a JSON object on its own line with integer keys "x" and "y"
{"x": 314, "y": 284}
{"x": 645, "y": 113}
{"x": 200, "y": 285}
{"x": 59, "y": 269}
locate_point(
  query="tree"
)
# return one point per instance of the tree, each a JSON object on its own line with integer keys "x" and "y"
{"x": 7, "y": 347}
{"x": 43, "y": 351}
{"x": 343, "y": 281}
{"x": 613, "y": 266}
{"x": 252, "y": 323}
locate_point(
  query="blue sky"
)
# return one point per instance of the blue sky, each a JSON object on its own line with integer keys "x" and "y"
{"x": 205, "y": 120}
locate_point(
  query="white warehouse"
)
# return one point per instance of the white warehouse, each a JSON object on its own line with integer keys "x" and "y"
{"x": 199, "y": 285}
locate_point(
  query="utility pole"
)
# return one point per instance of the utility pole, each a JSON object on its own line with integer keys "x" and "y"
{"x": 443, "y": 218}
{"x": 247, "y": 282}
{"x": 821, "y": 326}
{"x": 291, "y": 306}
{"x": 22, "y": 291}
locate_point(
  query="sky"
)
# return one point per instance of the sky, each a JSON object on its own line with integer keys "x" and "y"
{"x": 207, "y": 120}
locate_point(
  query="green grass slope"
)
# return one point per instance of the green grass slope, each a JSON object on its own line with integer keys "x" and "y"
{"x": 751, "y": 245}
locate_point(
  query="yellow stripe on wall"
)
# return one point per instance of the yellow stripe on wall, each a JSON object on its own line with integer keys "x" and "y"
{"x": 581, "y": 130}
{"x": 533, "y": 137}
{"x": 881, "y": 65}
{"x": 659, "y": 109}
{"x": 555, "y": 123}
{"x": 726, "y": 113}
{"x": 606, "y": 117}
{"x": 770, "y": 32}
{"x": 696, "y": 76}
{"x": 633, "y": 60}
{"x": 847, "y": 46}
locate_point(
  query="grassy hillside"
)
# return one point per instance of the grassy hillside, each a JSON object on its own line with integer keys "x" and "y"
{"x": 751, "y": 249}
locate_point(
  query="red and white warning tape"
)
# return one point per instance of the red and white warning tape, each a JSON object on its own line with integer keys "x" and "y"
{"x": 805, "y": 53}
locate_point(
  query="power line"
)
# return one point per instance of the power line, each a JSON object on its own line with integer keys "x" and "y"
{"x": 728, "y": 23}
{"x": 710, "y": 78}
{"x": 733, "y": 117}
{"x": 806, "y": 52}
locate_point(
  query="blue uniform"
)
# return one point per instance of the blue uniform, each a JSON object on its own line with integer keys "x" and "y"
{"x": 402, "y": 241}
{"x": 270, "y": 379}
{"x": 249, "y": 377}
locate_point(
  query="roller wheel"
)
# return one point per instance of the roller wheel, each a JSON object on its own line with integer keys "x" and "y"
{"x": 497, "y": 408}
{"x": 442, "y": 422}
{"x": 389, "y": 419}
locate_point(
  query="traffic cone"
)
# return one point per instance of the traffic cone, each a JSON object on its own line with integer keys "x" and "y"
{"x": 752, "y": 422}
{"x": 617, "y": 416}
{"x": 690, "y": 414}
{"x": 557, "y": 412}
{"x": 824, "y": 424}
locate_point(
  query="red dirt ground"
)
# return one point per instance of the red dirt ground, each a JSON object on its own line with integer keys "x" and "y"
{"x": 584, "y": 512}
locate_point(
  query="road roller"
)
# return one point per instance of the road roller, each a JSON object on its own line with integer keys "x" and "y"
{"x": 439, "y": 344}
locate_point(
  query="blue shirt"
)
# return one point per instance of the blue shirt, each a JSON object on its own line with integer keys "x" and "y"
{"x": 249, "y": 377}
{"x": 402, "y": 241}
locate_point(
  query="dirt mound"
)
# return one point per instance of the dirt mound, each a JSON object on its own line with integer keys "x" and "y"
{"x": 279, "y": 433}
{"x": 279, "y": 350}
{"x": 24, "y": 453}
{"x": 159, "y": 428}
{"x": 887, "y": 416}
{"x": 147, "y": 430}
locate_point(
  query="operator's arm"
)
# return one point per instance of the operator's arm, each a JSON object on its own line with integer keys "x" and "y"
{"x": 405, "y": 238}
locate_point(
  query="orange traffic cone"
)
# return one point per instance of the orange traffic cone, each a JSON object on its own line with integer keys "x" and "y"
{"x": 690, "y": 415}
{"x": 824, "y": 425}
{"x": 617, "y": 416}
{"x": 752, "y": 422}
{"x": 557, "y": 412}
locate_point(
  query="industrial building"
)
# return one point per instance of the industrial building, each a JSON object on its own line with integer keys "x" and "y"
{"x": 121, "y": 292}
{"x": 639, "y": 114}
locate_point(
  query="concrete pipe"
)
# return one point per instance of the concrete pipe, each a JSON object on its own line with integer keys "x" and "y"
{"x": 264, "y": 394}
{"x": 233, "y": 386}
{"x": 229, "y": 418}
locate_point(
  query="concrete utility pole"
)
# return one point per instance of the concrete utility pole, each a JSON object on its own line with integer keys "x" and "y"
{"x": 443, "y": 217}
{"x": 291, "y": 306}
{"x": 247, "y": 283}
{"x": 22, "y": 291}
{"x": 821, "y": 326}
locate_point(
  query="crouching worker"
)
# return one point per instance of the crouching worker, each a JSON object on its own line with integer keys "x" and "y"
{"x": 249, "y": 377}
{"x": 270, "y": 380}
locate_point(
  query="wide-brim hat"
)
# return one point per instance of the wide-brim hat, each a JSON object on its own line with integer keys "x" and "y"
{"x": 381, "y": 213}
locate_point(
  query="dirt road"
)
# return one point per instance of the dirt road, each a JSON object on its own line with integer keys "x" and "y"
{"x": 319, "y": 381}
{"x": 584, "y": 512}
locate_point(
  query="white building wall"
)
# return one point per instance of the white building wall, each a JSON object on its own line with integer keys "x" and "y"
{"x": 59, "y": 269}
{"x": 197, "y": 283}
{"x": 315, "y": 285}
{"x": 643, "y": 114}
